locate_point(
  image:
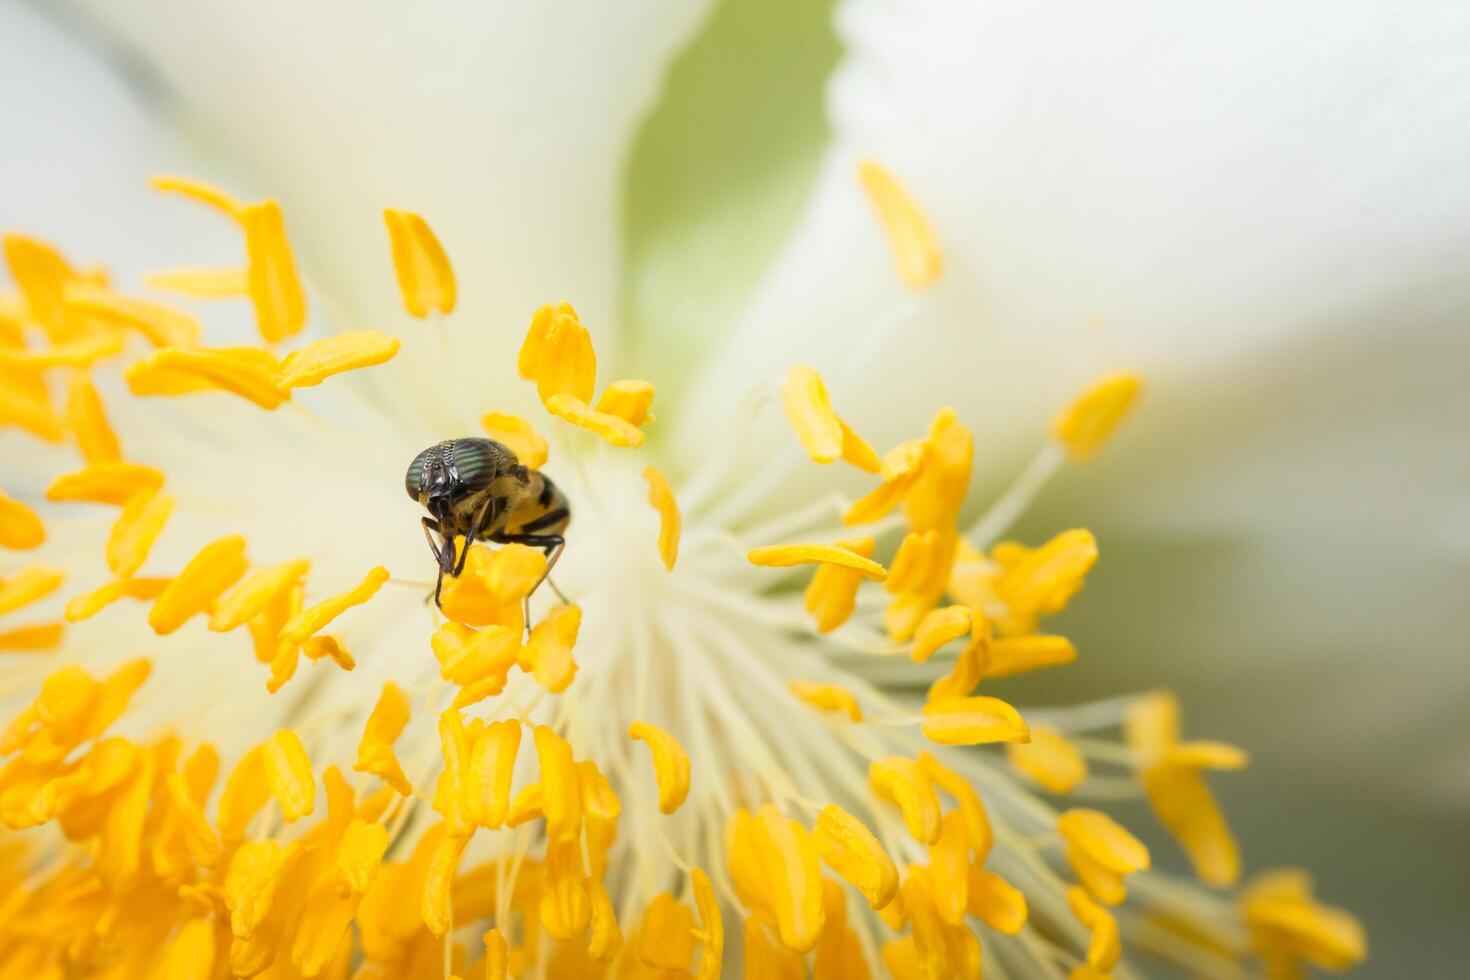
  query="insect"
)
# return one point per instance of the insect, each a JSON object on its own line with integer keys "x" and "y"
{"x": 478, "y": 489}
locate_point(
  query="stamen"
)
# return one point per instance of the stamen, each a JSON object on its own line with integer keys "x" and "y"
{"x": 312, "y": 620}
{"x": 789, "y": 555}
{"x": 670, "y": 764}
{"x": 217, "y": 566}
{"x": 1085, "y": 425}
{"x": 629, "y": 400}
{"x": 517, "y": 435}
{"x": 163, "y": 326}
{"x": 88, "y": 422}
{"x": 320, "y": 359}
{"x": 661, "y": 496}
{"x": 275, "y": 289}
{"x": 227, "y": 283}
{"x": 135, "y": 531}
{"x": 20, "y": 527}
{"x": 105, "y": 483}
{"x": 198, "y": 190}
{"x": 915, "y": 247}
{"x": 425, "y": 277}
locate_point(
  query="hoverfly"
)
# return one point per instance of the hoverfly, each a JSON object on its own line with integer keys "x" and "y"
{"x": 478, "y": 489}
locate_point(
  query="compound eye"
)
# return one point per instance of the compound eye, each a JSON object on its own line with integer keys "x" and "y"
{"x": 413, "y": 481}
{"x": 476, "y": 462}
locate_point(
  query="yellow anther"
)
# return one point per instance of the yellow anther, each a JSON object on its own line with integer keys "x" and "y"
{"x": 824, "y": 435}
{"x": 80, "y": 352}
{"x": 548, "y": 653}
{"x": 219, "y": 565}
{"x": 1050, "y": 759}
{"x": 849, "y": 848}
{"x": 605, "y": 939}
{"x": 566, "y": 906}
{"x": 135, "y": 531}
{"x": 832, "y": 594}
{"x": 488, "y": 775}
{"x": 451, "y": 798}
{"x": 1040, "y": 581}
{"x": 469, "y": 656}
{"x": 320, "y": 359}
{"x": 1103, "y": 840}
{"x": 250, "y": 883}
{"x": 280, "y": 304}
{"x": 525, "y": 807}
{"x": 921, "y": 566}
{"x": 794, "y": 871}
{"x": 670, "y": 764}
{"x": 314, "y": 618}
{"x": 246, "y": 791}
{"x": 933, "y": 501}
{"x": 105, "y": 483}
{"x": 425, "y": 277}
{"x": 42, "y": 274}
{"x": 328, "y": 648}
{"x": 191, "y": 951}
{"x": 995, "y": 901}
{"x": 1104, "y": 951}
{"x": 557, "y": 354}
{"x": 162, "y": 325}
{"x": 827, "y": 697}
{"x": 665, "y": 941}
{"x": 1085, "y": 425}
{"x": 197, "y": 190}
{"x": 90, "y": 604}
{"x": 244, "y": 371}
{"x": 973, "y": 721}
{"x": 1019, "y": 654}
{"x": 764, "y": 958}
{"x": 1289, "y": 926}
{"x": 937, "y": 628}
{"x": 599, "y": 802}
{"x": 20, "y": 527}
{"x": 493, "y": 585}
{"x": 255, "y": 593}
{"x": 26, "y": 401}
{"x": 612, "y": 428}
{"x": 289, "y": 771}
{"x": 839, "y": 953}
{"x": 517, "y": 435}
{"x": 438, "y": 883}
{"x": 225, "y": 283}
{"x": 630, "y": 400}
{"x": 497, "y": 956}
{"x": 789, "y": 555}
{"x": 561, "y": 787}
{"x": 384, "y": 725}
{"x": 908, "y": 786}
{"x": 711, "y": 931}
{"x": 915, "y": 248}
{"x": 88, "y": 422}
{"x": 949, "y": 869}
{"x": 30, "y": 584}
{"x": 977, "y": 822}
{"x": 1172, "y": 777}
{"x": 661, "y": 496}
{"x": 32, "y": 639}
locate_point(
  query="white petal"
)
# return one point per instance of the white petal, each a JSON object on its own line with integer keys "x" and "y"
{"x": 1120, "y": 184}
{"x": 505, "y": 124}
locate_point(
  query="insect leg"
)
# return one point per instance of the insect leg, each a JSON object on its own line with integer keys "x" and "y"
{"x": 432, "y": 525}
{"x": 474, "y": 533}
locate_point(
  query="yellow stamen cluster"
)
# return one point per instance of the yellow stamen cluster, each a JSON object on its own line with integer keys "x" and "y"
{"x": 558, "y": 356}
{"x": 504, "y": 850}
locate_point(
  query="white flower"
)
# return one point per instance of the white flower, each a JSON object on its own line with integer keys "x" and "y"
{"x": 1231, "y": 201}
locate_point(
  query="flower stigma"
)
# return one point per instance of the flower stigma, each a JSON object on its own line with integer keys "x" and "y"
{"x": 239, "y": 741}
